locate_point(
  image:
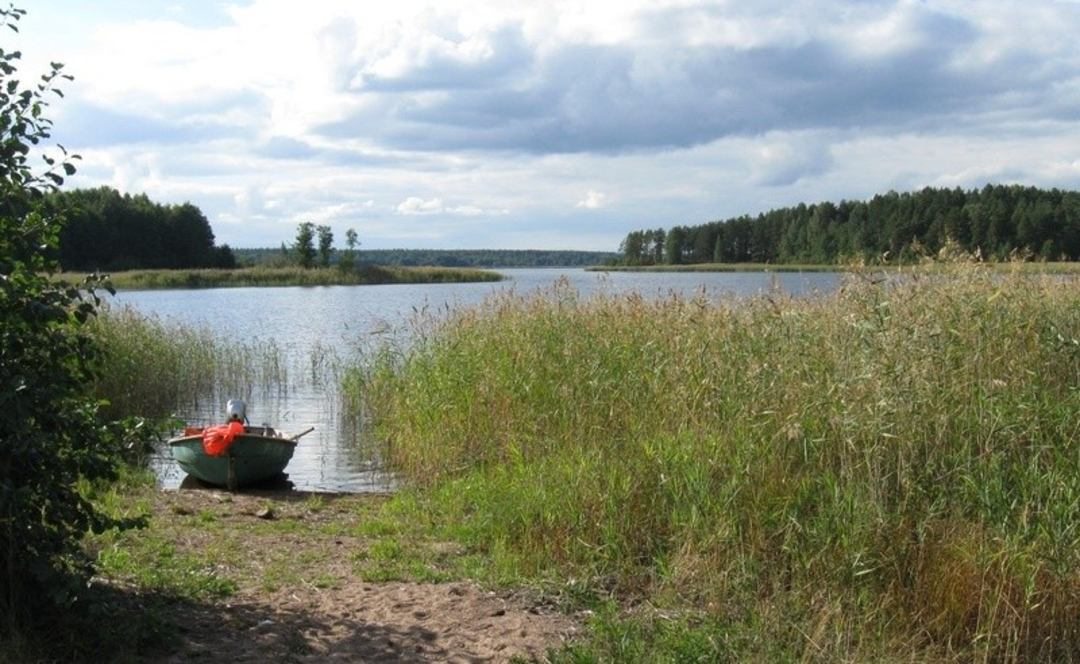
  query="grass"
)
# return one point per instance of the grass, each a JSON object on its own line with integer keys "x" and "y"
{"x": 722, "y": 267}
{"x": 153, "y": 368}
{"x": 198, "y": 553}
{"x": 287, "y": 276}
{"x": 148, "y": 558}
{"x": 203, "y": 555}
{"x": 892, "y": 472}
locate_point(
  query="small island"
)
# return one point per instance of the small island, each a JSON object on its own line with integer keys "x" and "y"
{"x": 141, "y": 244}
{"x": 264, "y": 276}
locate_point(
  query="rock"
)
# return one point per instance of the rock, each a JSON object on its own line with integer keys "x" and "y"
{"x": 264, "y": 625}
{"x": 265, "y": 513}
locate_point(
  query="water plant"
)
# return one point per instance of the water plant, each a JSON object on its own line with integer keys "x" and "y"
{"x": 155, "y": 368}
{"x": 890, "y": 471}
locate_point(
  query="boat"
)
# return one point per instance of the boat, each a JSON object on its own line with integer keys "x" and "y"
{"x": 235, "y": 454}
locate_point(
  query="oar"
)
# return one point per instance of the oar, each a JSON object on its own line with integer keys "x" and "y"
{"x": 302, "y": 433}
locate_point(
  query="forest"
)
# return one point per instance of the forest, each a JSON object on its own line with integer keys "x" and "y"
{"x": 475, "y": 258}
{"x": 109, "y": 231}
{"x": 993, "y": 222}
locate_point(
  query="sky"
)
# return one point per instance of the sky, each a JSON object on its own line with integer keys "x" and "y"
{"x": 551, "y": 125}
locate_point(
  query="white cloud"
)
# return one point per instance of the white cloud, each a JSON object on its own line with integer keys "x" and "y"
{"x": 782, "y": 160}
{"x": 414, "y": 205}
{"x": 265, "y": 115}
{"x": 593, "y": 200}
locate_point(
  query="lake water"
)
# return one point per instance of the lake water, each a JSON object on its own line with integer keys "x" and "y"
{"x": 333, "y": 326}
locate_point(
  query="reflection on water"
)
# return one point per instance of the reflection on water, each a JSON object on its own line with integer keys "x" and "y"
{"x": 334, "y": 457}
{"x": 321, "y": 331}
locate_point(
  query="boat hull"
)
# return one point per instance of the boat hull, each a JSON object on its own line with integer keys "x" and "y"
{"x": 251, "y": 459}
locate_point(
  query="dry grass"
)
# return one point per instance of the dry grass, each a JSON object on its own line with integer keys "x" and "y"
{"x": 891, "y": 472}
{"x": 286, "y": 276}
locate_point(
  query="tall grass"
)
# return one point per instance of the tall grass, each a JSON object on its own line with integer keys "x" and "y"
{"x": 722, "y": 267}
{"x": 889, "y": 472}
{"x": 155, "y": 368}
{"x": 289, "y": 276}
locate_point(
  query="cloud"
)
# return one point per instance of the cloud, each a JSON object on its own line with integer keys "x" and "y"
{"x": 443, "y": 58}
{"x": 593, "y": 200}
{"x": 783, "y": 162}
{"x": 573, "y": 78}
{"x": 265, "y": 115}
{"x": 886, "y": 66}
{"x": 414, "y": 205}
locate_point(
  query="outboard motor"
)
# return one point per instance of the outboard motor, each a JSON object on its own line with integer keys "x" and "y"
{"x": 236, "y": 411}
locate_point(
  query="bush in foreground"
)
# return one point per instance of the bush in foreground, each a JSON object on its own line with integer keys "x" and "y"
{"x": 891, "y": 470}
{"x": 51, "y": 437}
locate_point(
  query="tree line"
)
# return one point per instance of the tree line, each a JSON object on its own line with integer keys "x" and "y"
{"x": 471, "y": 258}
{"x": 994, "y": 222}
{"x": 109, "y": 231}
{"x": 488, "y": 258}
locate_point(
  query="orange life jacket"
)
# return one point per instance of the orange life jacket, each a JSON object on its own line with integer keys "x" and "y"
{"x": 217, "y": 440}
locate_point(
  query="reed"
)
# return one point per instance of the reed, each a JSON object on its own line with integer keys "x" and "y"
{"x": 287, "y": 276}
{"x": 153, "y": 368}
{"x": 891, "y": 472}
{"x": 722, "y": 267}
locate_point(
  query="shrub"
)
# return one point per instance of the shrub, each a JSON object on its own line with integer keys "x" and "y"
{"x": 50, "y": 434}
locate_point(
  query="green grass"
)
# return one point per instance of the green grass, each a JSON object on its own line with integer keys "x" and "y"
{"x": 722, "y": 267}
{"x": 152, "y": 368}
{"x": 892, "y": 472}
{"x": 287, "y": 276}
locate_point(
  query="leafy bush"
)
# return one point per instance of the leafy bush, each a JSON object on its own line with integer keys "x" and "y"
{"x": 50, "y": 434}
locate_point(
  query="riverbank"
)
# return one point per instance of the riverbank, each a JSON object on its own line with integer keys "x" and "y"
{"x": 263, "y": 576}
{"x": 877, "y": 474}
{"x": 288, "y": 276}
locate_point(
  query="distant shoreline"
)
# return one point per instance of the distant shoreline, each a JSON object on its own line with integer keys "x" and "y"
{"x": 1031, "y": 266}
{"x": 252, "y": 277}
{"x": 719, "y": 267}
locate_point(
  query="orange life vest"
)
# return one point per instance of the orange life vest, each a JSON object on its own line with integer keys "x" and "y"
{"x": 217, "y": 440}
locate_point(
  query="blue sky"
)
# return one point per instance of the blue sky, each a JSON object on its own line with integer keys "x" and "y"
{"x": 558, "y": 125}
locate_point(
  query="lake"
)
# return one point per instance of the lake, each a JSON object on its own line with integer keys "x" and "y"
{"x": 321, "y": 329}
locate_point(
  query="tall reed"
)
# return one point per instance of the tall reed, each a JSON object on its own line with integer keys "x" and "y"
{"x": 289, "y": 276}
{"x": 155, "y": 368}
{"x": 890, "y": 471}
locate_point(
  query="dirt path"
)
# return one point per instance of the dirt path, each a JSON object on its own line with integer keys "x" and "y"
{"x": 302, "y": 566}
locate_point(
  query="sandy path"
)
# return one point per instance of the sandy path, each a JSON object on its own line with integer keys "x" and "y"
{"x": 349, "y": 619}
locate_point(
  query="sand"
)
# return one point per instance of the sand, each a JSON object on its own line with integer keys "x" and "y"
{"x": 345, "y": 619}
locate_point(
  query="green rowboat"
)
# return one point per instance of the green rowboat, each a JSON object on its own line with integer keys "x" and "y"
{"x": 258, "y": 454}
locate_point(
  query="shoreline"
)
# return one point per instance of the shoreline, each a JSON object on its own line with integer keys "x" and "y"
{"x": 261, "y": 277}
{"x": 281, "y": 575}
{"x": 1047, "y": 267}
